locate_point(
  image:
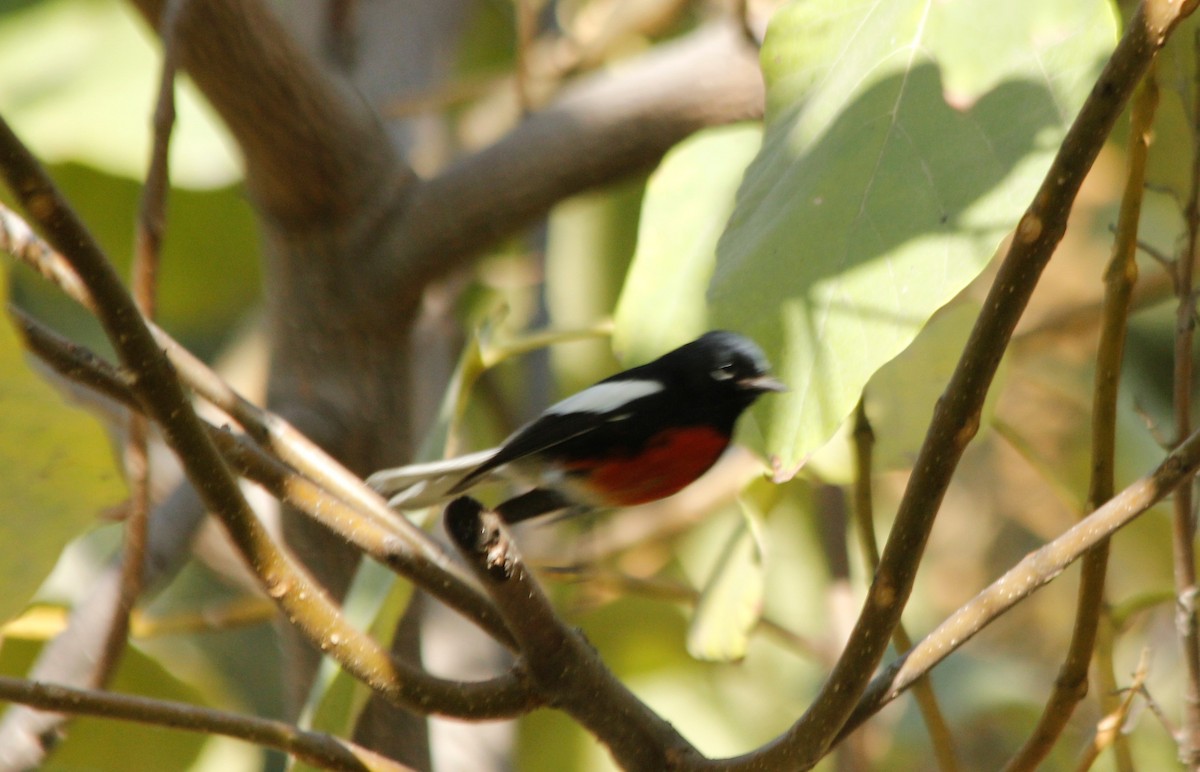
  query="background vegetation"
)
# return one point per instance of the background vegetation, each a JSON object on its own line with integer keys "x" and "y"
{"x": 404, "y": 228}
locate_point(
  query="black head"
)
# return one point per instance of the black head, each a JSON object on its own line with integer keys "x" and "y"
{"x": 730, "y": 368}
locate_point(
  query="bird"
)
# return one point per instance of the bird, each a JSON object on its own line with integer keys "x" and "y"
{"x": 634, "y": 437}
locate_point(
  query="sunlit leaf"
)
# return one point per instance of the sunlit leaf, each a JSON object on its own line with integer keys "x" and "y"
{"x": 732, "y": 600}
{"x": 902, "y": 394}
{"x": 903, "y": 141}
{"x": 688, "y": 199}
{"x": 57, "y": 471}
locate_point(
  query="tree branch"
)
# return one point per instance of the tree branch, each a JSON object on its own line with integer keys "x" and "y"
{"x": 940, "y": 735}
{"x": 563, "y": 666}
{"x": 410, "y": 551}
{"x": 1034, "y": 571}
{"x": 319, "y": 749}
{"x": 146, "y": 255}
{"x": 315, "y": 153}
{"x": 603, "y": 128}
{"x": 1184, "y": 517}
{"x": 304, "y": 602}
{"x": 1120, "y": 277}
{"x": 81, "y": 365}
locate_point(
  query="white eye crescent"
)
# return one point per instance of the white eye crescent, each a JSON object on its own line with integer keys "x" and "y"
{"x": 723, "y": 373}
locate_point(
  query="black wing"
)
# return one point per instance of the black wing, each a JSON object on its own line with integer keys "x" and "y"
{"x": 549, "y": 431}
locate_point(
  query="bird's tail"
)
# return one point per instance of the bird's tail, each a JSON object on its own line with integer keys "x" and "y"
{"x": 416, "y": 486}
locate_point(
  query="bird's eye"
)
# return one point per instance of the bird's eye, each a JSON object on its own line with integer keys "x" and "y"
{"x": 723, "y": 373}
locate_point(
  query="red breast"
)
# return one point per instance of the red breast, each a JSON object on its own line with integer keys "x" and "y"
{"x": 666, "y": 464}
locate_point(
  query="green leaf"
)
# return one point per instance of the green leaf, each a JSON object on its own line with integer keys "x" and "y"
{"x": 901, "y": 395}
{"x": 57, "y": 471}
{"x": 688, "y": 199}
{"x": 732, "y": 600}
{"x": 903, "y": 141}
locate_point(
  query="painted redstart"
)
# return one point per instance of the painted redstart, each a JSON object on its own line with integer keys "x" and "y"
{"x": 637, "y": 436}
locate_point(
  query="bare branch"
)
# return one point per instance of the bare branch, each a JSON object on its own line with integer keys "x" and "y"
{"x": 1033, "y": 572}
{"x": 564, "y": 668}
{"x": 315, "y": 153}
{"x": 146, "y": 253}
{"x": 315, "y": 748}
{"x": 306, "y": 604}
{"x": 603, "y": 128}
{"x": 1120, "y": 277}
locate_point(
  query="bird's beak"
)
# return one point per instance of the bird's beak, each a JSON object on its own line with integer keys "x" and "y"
{"x": 762, "y": 383}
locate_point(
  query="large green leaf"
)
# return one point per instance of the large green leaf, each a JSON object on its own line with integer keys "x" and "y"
{"x": 57, "y": 471}
{"x": 688, "y": 199}
{"x": 903, "y": 140}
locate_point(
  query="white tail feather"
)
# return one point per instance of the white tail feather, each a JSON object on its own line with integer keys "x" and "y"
{"x": 422, "y": 485}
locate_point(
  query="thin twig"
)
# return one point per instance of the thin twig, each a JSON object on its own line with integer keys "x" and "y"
{"x": 1157, "y": 711}
{"x": 1034, "y": 571}
{"x": 940, "y": 735}
{"x": 1110, "y": 729}
{"x": 147, "y": 249}
{"x": 1183, "y": 520}
{"x": 1106, "y": 683}
{"x": 315, "y": 748}
{"x": 1071, "y": 685}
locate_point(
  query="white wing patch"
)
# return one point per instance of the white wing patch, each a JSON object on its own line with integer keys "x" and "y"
{"x": 605, "y": 397}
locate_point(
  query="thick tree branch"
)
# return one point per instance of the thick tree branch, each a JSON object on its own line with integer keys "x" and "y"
{"x": 563, "y": 666}
{"x": 604, "y": 127}
{"x": 316, "y": 155}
